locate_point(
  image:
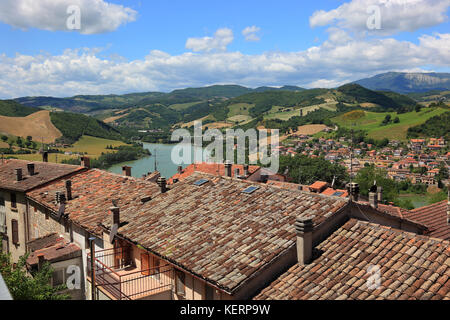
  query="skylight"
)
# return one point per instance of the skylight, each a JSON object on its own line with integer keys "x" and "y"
{"x": 201, "y": 182}
{"x": 338, "y": 194}
{"x": 250, "y": 190}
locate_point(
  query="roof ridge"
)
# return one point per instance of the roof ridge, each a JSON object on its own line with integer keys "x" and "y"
{"x": 429, "y": 205}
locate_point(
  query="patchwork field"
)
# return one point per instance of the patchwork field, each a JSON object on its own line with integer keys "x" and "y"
{"x": 370, "y": 121}
{"x": 93, "y": 146}
{"x": 38, "y": 125}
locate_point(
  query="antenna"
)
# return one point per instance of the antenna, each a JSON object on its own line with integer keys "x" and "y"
{"x": 155, "y": 161}
{"x": 351, "y": 154}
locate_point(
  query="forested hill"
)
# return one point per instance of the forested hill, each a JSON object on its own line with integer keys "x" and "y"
{"x": 11, "y": 108}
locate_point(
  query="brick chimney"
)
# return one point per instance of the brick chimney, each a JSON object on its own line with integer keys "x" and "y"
{"x": 162, "y": 183}
{"x": 69, "y": 189}
{"x": 380, "y": 194}
{"x": 246, "y": 170}
{"x": 126, "y": 171}
{"x": 353, "y": 191}
{"x": 228, "y": 166}
{"x": 115, "y": 215}
{"x": 304, "y": 228}
{"x": 85, "y": 162}
{"x": 18, "y": 174}
{"x": 373, "y": 199}
{"x": 31, "y": 168}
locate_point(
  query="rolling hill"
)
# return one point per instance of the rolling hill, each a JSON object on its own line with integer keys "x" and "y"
{"x": 403, "y": 82}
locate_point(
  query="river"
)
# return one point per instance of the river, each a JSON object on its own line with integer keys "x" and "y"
{"x": 162, "y": 153}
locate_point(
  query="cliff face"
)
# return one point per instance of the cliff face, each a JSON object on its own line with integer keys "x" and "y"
{"x": 407, "y": 82}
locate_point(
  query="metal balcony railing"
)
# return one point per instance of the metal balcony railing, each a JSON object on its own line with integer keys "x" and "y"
{"x": 115, "y": 273}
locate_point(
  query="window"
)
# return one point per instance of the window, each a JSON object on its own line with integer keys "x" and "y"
{"x": 13, "y": 200}
{"x": 145, "y": 264}
{"x": 15, "y": 231}
{"x": 209, "y": 292}
{"x": 180, "y": 285}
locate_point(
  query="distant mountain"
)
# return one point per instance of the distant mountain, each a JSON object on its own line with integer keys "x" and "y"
{"x": 403, "y": 82}
{"x": 284, "y": 88}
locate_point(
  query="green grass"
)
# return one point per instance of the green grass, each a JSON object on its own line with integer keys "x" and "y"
{"x": 371, "y": 122}
{"x": 239, "y": 109}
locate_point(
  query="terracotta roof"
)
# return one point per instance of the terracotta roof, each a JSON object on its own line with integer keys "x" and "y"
{"x": 219, "y": 233}
{"x": 434, "y": 216}
{"x": 60, "y": 251}
{"x": 411, "y": 267}
{"x": 393, "y": 210}
{"x": 286, "y": 185}
{"x": 93, "y": 192}
{"x": 335, "y": 192}
{"x": 43, "y": 242}
{"x": 44, "y": 172}
{"x": 318, "y": 185}
{"x": 217, "y": 169}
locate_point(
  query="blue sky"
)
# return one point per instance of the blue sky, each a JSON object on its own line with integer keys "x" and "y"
{"x": 160, "y": 45}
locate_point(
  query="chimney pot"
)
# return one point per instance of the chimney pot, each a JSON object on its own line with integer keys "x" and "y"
{"x": 69, "y": 189}
{"x": 126, "y": 170}
{"x": 18, "y": 174}
{"x": 228, "y": 166}
{"x": 353, "y": 191}
{"x": 85, "y": 162}
{"x": 236, "y": 172}
{"x": 115, "y": 215}
{"x": 380, "y": 194}
{"x": 246, "y": 170}
{"x": 304, "y": 228}
{"x": 31, "y": 168}
{"x": 162, "y": 183}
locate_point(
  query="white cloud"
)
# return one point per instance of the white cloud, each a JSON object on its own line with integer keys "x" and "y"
{"x": 395, "y": 15}
{"x": 219, "y": 42}
{"x": 328, "y": 65}
{"x": 97, "y": 16}
{"x": 250, "y": 33}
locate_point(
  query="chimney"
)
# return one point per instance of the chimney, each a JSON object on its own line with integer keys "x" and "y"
{"x": 162, "y": 183}
{"x": 44, "y": 156}
{"x": 31, "y": 168}
{"x": 228, "y": 166}
{"x": 180, "y": 169}
{"x": 373, "y": 199}
{"x": 126, "y": 171}
{"x": 353, "y": 191}
{"x": 18, "y": 174}
{"x": 69, "y": 189}
{"x": 115, "y": 215}
{"x": 304, "y": 228}
{"x": 60, "y": 197}
{"x": 236, "y": 172}
{"x": 380, "y": 194}
{"x": 85, "y": 162}
{"x": 41, "y": 260}
{"x": 246, "y": 170}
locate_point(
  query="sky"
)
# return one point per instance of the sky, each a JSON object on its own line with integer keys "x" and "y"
{"x": 69, "y": 47}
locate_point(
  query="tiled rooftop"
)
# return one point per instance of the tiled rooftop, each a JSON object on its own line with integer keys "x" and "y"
{"x": 44, "y": 172}
{"x": 220, "y": 233}
{"x": 62, "y": 250}
{"x": 93, "y": 192}
{"x": 411, "y": 267}
{"x": 434, "y": 216}
{"x": 217, "y": 169}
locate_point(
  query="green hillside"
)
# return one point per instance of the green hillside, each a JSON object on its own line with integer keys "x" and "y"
{"x": 438, "y": 126}
{"x": 11, "y": 108}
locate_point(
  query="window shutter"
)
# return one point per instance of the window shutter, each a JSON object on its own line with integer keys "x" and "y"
{"x": 180, "y": 286}
{"x": 145, "y": 264}
{"x": 15, "y": 231}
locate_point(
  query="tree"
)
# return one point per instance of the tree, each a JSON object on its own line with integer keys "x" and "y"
{"x": 366, "y": 177}
{"x": 24, "y": 286}
{"x": 396, "y": 120}
{"x": 4, "y": 138}
{"x": 418, "y": 108}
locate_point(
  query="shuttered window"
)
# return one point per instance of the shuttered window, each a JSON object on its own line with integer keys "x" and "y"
{"x": 15, "y": 231}
{"x": 145, "y": 264}
{"x": 13, "y": 200}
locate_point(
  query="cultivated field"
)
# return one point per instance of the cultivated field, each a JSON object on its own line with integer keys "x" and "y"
{"x": 93, "y": 146}
{"x": 38, "y": 125}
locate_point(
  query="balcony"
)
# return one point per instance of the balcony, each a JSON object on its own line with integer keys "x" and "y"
{"x": 118, "y": 277}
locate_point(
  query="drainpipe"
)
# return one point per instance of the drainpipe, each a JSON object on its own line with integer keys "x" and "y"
{"x": 92, "y": 248}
